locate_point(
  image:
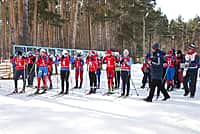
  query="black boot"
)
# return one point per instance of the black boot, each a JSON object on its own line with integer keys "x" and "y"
{"x": 94, "y": 90}
{"x": 147, "y": 100}
{"x": 81, "y": 84}
{"x": 37, "y": 91}
{"x": 76, "y": 84}
{"x": 143, "y": 85}
{"x": 186, "y": 93}
{"x": 15, "y": 91}
{"x": 90, "y": 92}
{"x": 23, "y": 91}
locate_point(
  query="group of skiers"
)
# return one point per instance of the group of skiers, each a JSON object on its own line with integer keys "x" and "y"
{"x": 173, "y": 69}
{"x": 116, "y": 66}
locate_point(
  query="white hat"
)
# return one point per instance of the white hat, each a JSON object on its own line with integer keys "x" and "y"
{"x": 79, "y": 52}
{"x": 42, "y": 50}
{"x": 116, "y": 53}
{"x": 126, "y": 52}
{"x": 65, "y": 52}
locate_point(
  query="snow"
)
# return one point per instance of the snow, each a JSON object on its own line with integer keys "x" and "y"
{"x": 97, "y": 114}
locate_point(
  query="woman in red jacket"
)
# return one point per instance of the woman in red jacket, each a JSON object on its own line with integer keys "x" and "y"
{"x": 20, "y": 64}
{"x": 110, "y": 69}
{"x": 91, "y": 62}
{"x": 65, "y": 71}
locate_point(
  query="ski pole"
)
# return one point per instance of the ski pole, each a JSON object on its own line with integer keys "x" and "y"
{"x": 133, "y": 84}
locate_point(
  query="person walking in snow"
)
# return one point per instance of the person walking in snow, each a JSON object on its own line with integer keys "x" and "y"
{"x": 156, "y": 73}
{"x": 192, "y": 65}
{"x": 125, "y": 72}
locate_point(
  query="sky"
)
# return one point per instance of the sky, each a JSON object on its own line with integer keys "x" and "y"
{"x": 188, "y": 9}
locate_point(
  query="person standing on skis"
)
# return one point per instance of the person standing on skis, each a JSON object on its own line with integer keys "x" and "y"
{"x": 79, "y": 63}
{"x": 178, "y": 70}
{"x": 192, "y": 65}
{"x": 50, "y": 70}
{"x": 65, "y": 72}
{"x": 109, "y": 59}
{"x": 91, "y": 62}
{"x": 20, "y": 63}
{"x": 117, "y": 70}
{"x": 170, "y": 71}
{"x": 99, "y": 68}
{"x": 156, "y": 73}
{"x": 146, "y": 70}
{"x": 30, "y": 60}
{"x": 42, "y": 63}
{"x": 126, "y": 72}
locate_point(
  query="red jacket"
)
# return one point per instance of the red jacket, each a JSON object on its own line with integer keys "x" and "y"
{"x": 124, "y": 64}
{"x": 50, "y": 63}
{"x": 145, "y": 66}
{"x": 110, "y": 62}
{"x": 92, "y": 62}
{"x": 170, "y": 61}
{"x": 30, "y": 59}
{"x": 19, "y": 63}
{"x": 64, "y": 61}
{"x": 79, "y": 63}
{"x": 42, "y": 61}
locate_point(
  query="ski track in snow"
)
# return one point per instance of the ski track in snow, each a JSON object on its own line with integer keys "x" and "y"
{"x": 78, "y": 113}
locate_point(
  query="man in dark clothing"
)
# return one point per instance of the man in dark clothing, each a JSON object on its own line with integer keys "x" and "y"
{"x": 192, "y": 63}
{"x": 156, "y": 73}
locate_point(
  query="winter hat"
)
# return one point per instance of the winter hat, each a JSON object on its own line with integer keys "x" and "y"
{"x": 109, "y": 51}
{"x": 42, "y": 50}
{"x": 65, "y": 52}
{"x": 148, "y": 55}
{"x": 192, "y": 46}
{"x": 19, "y": 53}
{"x": 179, "y": 52}
{"x": 156, "y": 46}
{"x": 170, "y": 52}
{"x": 126, "y": 52}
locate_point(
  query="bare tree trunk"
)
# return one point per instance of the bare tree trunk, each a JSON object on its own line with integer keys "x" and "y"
{"x": 74, "y": 19}
{"x": 99, "y": 37}
{"x": 20, "y": 21}
{"x": 12, "y": 21}
{"x": 26, "y": 33}
{"x": 107, "y": 30}
{"x": 35, "y": 23}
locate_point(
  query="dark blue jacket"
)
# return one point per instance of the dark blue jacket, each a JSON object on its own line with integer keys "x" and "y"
{"x": 157, "y": 65}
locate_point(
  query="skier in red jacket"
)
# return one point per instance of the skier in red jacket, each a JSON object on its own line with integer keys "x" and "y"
{"x": 42, "y": 63}
{"x": 109, "y": 59}
{"x": 91, "y": 62}
{"x": 50, "y": 70}
{"x": 65, "y": 71}
{"x": 79, "y": 62}
{"x": 20, "y": 63}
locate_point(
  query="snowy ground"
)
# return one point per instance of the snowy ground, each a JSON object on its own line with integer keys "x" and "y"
{"x": 97, "y": 114}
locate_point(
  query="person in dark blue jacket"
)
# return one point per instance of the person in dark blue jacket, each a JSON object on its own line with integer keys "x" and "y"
{"x": 156, "y": 73}
{"x": 192, "y": 65}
